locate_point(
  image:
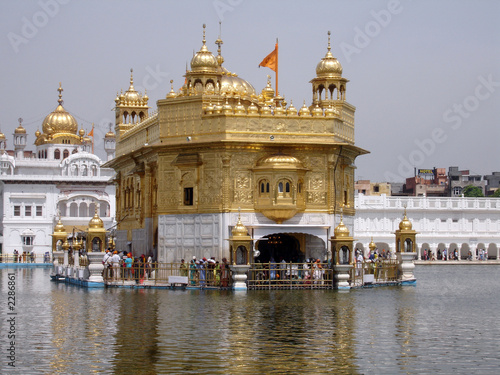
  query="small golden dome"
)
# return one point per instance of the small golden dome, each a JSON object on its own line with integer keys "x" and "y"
{"x": 304, "y": 111}
{"x": 268, "y": 92}
{"x": 329, "y": 66}
{"x": 217, "y": 108}
{"x": 204, "y": 60}
{"x": 280, "y": 161}
{"x": 96, "y": 222}
{"x": 341, "y": 230}
{"x": 317, "y": 111}
{"x": 59, "y": 228}
{"x": 110, "y": 135}
{"x": 81, "y": 132}
{"x": 291, "y": 111}
{"x": 38, "y": 133}
{"x": 372, "y": 246}
{"x": 227, "y": 108}
{"x": 2, "y": 136}
{"x": 265, "y": 109}
{"x": 330, "y": 111}
{"x": 405, "y": 224}
{"x": 132, "y": 96}
{"x": 172, "y": 93}
{"x": 279, "y": 111}
{"x": 239, "y": 230}
{"x": 20, "y": 130}
{"x": 253, "y": 110}
{"x": 59, "y": 121}
{"x": 209, "y": 109}
{"x": 239, "y": 109}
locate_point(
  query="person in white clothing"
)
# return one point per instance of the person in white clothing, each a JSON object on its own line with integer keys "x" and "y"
{"x": 115, "y": 261}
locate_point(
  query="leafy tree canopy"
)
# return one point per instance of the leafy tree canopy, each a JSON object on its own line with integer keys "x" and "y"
{"x": 473, "y": 191}
{"x": 496, "y": 194}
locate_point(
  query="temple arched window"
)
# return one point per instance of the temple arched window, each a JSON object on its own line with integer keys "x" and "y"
{"x": 57, "y": 154}
{"x": 65, "y": 154}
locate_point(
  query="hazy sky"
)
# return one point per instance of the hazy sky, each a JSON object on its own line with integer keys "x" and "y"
{"x": 424, "y": 75}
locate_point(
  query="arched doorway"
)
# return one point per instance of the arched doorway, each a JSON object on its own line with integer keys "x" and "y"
{"x": 278, "y": 246}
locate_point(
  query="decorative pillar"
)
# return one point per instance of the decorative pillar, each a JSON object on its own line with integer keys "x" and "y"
{"x": 96, "y": 233}
{"x": 58, "y": 237}
{"x": 405, "y": 251}
{"x": 343, "y": 256}
{"x": 65, "y": 248}
{"x": 240, "y": 246}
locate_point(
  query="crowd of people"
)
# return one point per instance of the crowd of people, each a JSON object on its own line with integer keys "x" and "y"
{"x": 24, "y": 257}
{"x": 125, "y": 266}
{"x": 206, "y": 272}
{"x": 481, "y": 254}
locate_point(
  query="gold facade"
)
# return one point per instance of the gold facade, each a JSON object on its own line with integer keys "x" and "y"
{"x": 216, "y": 145}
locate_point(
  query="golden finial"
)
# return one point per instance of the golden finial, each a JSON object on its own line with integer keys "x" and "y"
{"x": 204, "y": 41}
{"x": 329, "y": 47}
{"x": 60, "y": 89}
{"x": 131, "y": 78}
{"x": 219, "y": 42}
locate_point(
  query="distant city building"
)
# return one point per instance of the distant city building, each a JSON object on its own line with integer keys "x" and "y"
{"x": 61, "y": 178}
{"x": 428, "y": 182}
{"x": 372, "y": 188}
{"x": 458, "y": 180}
{"x": 493, "y": 183}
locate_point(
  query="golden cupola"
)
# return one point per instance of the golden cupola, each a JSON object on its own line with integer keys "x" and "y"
{"x": 204, "y": 61}
{"x": 405, "y": 224}
{"x": 341, "y": 230}
{"x": 131, "y": 95}
{"x": 239, "y": 230}
{"x": 96, "y": 222}
{"x": 59, "y": 121}
{"x": 19, "y": 129}
{"x": 329, "y": 66}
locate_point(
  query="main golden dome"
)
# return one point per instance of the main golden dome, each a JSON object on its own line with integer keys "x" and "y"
{"x": 329, "y": 66}
{"x": 59, "y": 121}
{"x": 231, "y": 84}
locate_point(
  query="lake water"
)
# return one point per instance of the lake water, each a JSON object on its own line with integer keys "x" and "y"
{"x": 448, "y": 323}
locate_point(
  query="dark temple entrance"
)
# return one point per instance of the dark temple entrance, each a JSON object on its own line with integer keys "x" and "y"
{"x": 275, "y": 247}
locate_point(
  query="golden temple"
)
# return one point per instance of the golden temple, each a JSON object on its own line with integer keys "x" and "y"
{"x": 215, "y": 146}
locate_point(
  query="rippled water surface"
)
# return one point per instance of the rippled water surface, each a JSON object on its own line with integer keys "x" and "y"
{"x": 448, "y": 323}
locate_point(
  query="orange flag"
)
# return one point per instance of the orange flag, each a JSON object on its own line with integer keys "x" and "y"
{"x": 271, "y": 60}
{"x": 91, "y": 133}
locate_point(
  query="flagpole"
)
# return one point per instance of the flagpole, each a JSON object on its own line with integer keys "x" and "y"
{"x": 277, "y": 67}
{"x": 92, "y": 137}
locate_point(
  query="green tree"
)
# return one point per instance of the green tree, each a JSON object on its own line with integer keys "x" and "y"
{"x": 496, "y": 194}
{"x": 473, "y": 191}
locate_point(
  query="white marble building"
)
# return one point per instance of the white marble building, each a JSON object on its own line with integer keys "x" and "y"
{"x": 60, "y": 177}
{"x": 441, "y": 222}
